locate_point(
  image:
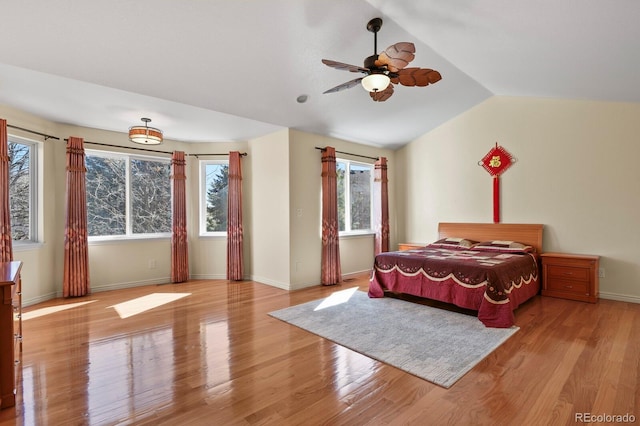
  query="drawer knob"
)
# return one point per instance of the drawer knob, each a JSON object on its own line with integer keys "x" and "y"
{"x": 568, "y": 273}
{"x": 568, "y": 286}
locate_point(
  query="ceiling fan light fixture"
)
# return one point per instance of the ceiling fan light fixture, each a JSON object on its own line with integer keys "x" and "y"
{"x": 145, "y": 135}
{"x": 375, "y": 82}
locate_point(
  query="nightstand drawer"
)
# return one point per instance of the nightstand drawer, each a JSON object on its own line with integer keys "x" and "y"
{"x": 409, "y": 246}
{"x": 568, "y": 286}
{"x": 568, "y": 273}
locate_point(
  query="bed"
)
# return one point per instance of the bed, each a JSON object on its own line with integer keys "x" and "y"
{"x": 493, "y": 279}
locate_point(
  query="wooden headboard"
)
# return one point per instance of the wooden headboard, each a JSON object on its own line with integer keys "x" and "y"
{"x": 526, "y": 233}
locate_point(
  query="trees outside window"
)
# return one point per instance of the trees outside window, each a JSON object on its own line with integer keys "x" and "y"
{"x": 127, "y": 195}
{"x": 106, "y": 196}
{"x": 354, "y": 195}
{"x": 151, "y": 196}
{"x": 23, "y": 189}
{"x": 214, "y": 184}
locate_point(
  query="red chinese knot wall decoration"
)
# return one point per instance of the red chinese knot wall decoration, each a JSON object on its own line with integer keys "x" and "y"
{"x": 496, "y": 162}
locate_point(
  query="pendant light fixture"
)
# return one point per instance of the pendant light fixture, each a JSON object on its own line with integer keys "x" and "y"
{"x": 145, "y": 135}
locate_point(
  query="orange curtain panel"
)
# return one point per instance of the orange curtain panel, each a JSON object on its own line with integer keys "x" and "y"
{"x": 6, "y": 242}
{"x": 76, "y": 247}
{"x": 331, "y": 273}
{"x": 179, "y": 241}
{"x": 381, "y": 206}
{"x": 235, "y": 260}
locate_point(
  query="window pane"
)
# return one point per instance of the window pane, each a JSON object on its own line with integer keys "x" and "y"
{"x": 20, "y": 190}
{"x": 106, "y": 198}
{"x": 341, "y": 172}
{"x": 217, "y": 185}
{"x": 360, "y": 196}
{"x": 150, "y": 197}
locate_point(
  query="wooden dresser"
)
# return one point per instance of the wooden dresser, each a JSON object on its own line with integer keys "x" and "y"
{"x": 10, "y": 284}
{"x": 570, "y": 276}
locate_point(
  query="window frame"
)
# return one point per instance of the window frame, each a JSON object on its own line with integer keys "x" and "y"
{"x": 202, "y": 197}
{"x": 129, "y": 235}
{"x": 347, "y": 201}
{"x": 35, "y": 192}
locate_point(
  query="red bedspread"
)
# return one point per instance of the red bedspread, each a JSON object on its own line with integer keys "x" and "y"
{"x": 490, "y": 282}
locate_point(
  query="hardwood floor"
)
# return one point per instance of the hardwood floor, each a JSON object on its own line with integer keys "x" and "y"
{"x": 212, "y": 355}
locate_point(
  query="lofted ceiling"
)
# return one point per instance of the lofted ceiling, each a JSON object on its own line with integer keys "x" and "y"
{"x": 229, "y": 70}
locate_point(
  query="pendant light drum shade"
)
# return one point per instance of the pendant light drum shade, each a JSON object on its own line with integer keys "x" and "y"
{"x": 145, "y": 135}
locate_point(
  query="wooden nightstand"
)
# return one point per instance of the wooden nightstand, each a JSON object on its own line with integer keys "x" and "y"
{"x": 409, "y": 246}
{"x": 570, "y": 276}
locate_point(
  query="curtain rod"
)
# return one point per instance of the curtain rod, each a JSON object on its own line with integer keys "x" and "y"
{"x": 242, "y": 154}
{"x": 126, "y": 147}
{"x": 44, "y": 135}
{"x": 348, "y": 153}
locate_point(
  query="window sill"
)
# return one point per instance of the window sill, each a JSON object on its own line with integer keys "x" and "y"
{"x": 222, "y": 235}
{"x": 98, "y": 241}
{"x": 357, "y": 234}
{"x": 26, "y": 246}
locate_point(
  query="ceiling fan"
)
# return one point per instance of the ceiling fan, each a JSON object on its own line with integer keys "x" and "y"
{"x": 386, "y": 69}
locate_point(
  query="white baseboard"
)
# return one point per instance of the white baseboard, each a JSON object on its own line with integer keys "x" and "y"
{"x": 208, "y": 277}
{"x": 278, "y": 284}
{"x": 130, "y": 284}
{"x": 345, "y": 277}
{"x": 620, "y": 297}
{"x": 97, "y": 289}
{"x": 262, "y": 280}
{"x": 299, "y": 286}
{"x": 39, "y": 299}
{"x": 351, "y": 275}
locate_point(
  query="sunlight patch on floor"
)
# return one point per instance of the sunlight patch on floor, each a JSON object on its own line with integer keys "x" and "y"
{"x": 52, "y": 310}
{"x": 337, "y": 298}
{"x": 142, "y": 304}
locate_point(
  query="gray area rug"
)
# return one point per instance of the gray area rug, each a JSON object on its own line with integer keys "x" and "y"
{"x": 435, "y": 344}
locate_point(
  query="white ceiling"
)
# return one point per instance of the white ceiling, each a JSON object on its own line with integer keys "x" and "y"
{"x": 227, "y": 70}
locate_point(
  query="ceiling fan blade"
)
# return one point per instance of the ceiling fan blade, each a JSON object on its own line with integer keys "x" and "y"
{"x": 344, "y": 86}
{"x": 343, "y": 66}
{"x": 416, "y": 77}
{"x": 383, "y": 95}
{"x": 396, "y": 56}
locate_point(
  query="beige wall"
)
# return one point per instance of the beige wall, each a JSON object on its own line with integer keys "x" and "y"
{"x": 285, "y": 215}
{"x": 575, "y": 173}
{"x": 305, "y": 209}
{"x": 281, "y": 211}
{"x": 356, "y": 252}
{"x": 112, "y": 264}
{"x": 40, "y": 281}
{"x": 207, "y": 254}
{"x": 269, "y": 215}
